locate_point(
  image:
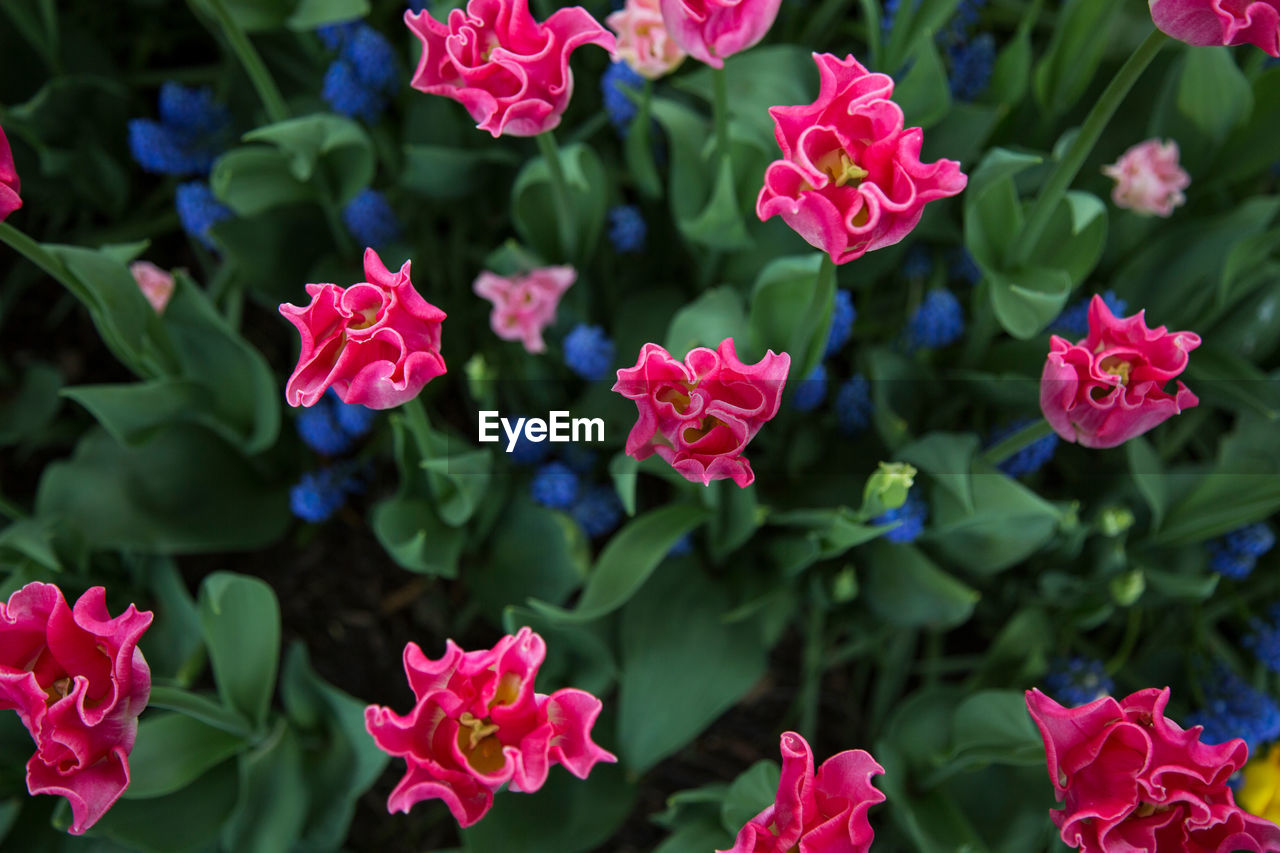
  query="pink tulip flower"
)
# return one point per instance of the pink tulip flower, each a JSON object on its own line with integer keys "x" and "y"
{"x": 156, "y": 284}
{"x": 850, "y": 179}
{"x": 1130, "y": 779}
{"x": 700, "y": 415}
{"x": 824, "y": 812}
{"x": 477, "y": 725}
{"x": 78, "y": 682}
{"x": 377, "y": 343}
{"x": 1148, "y": 178}
{"x": 1109, "y": 387}
{"x": 525, "y": 305}
{"x": 643, "y": 41}
{"x": 712, "y": 30}
{"x": 10, "y": 186}
{"x": 1220, "y": 22}
{"x": 509, "y": 71}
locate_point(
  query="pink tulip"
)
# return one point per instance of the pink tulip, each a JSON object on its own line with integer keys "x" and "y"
{"x": 477, "y": 725}
{"x": 1109, "y": 387}
{"x": 78, "y": 682}
{"x": 1220, "y": 22}
{"x": 851, "y": 179}
{"x": 1132, "y": 780}
{"x": 509, "y": 71}
{"x": 700, "y": 415}
{"x": 377, "y": 343}
{"x": 10, "y": 186}
{"x": 156, "y": 284}
{"x": 524, "y": 305}
{"x": 643, "y": 41}
{"x": 1148, "y": 178}
{"x": 824, "y": 812}
{"x": 712, "y": 30}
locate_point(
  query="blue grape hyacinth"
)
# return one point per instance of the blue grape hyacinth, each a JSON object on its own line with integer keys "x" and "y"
{"x": 912, "y": 515}
{"x": 938, "y": 322}
{"x": 853, "y": 405}
{"x": 972, "y": 63}
{"x": 192, "y": 132}
{"x": 1073, "y": 322}
{"x": 598, "y": 511}
{"x": 362, "y": 79}
{"x": 810, "y": 391}
{"x": 555, "y": 485}
{"x": 332, "y": 427}
{"x": 627, "y": 229}
{"x": 1263, "y": 639}
{"x": 1235, "y": 554}
{"x": 618, "y": 85}
{"x": 320, "y": 494}
{"x": 199, "y": 210}
{"x": 843, "y": 316}
{"x": 1235, "y": 709}
{"x": 1077, "y": 681}
{"x": 1029, "y": 459}
{"x": 589, "y": 352}
{"x": 370, "y": 219}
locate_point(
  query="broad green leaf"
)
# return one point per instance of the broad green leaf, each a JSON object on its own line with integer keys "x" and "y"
{"x": 241, "y": 621}
{"x": 924, "y": 93}
{"x": 189, "y": 819}
{"x": 755, "y": 789}
{"x": 540, "y": 554}
{"x": 1229, "y": 381}
{"x": 311, "y": 14}
{"x": 533, "y": 206}
{"x": 1011, "y": 75}
{"x": 254, "y": 179}
{"x": 993, "y": 726}
{"x": 272, "y": 808}
{"x": 791, "y": 306}
{"x": 715, "y": 315}
{"x": 992, "y": 211}
{"x": 1213, "y": 92}
{"x": 1149, "y": 476}
{"x": 1026, "y": 301}
{"x": 335, "y": 148}
{"x": 1075, "y": 50}
{"x": 718, "y": 223}
{"x": 734, "y": 519}
{"x": 1247, "y": 150}
{"x": 172, "y": 751}
{"x": 946, "y": 457}
{"x": 27, "y": 411}
{"x": 756, "y": 80}
{"x": 444, "y": 173}
{"x": 905, "y": 588}
{"x": 1009, "y": 522}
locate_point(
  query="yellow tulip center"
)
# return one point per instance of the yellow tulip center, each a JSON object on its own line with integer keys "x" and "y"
{"x": 476, "y": 739}
{"x": 841, "y": 168}
{"x": 1116, "y": 367}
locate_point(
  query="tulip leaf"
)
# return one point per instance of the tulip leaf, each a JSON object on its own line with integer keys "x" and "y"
{"x": 311, "y": 14}
{"x": 241, "y": 621}
{"x": 186, "y": 820}
{"x": 1075, "y": 51}
{"x": 1026, "y": 301}
{"x": 445, "y": 173}
{"x": 755, "y": 789}
{"x": 924, "y": 93}
{"x": 337, "y": 147}
{"x": 906, "y": 588}
{"x": 791, "y": 307}
{"x": 1008, "y": 523}
{"x": 172, "y": 751}
{"x": 254, "y": 179}
{"x": 1213, "y": 92}
{"x": 272, "y": 808}
{"x": 1149, "y": 476}
{"x": 533, "y": 205}
{"x": 707, "y": 321}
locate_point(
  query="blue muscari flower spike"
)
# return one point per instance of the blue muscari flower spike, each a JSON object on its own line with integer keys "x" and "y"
{"x": 938, "y": 321}
{"x": 348, "y": 95}
{"x": 1263, "y": 639}
{"x": 617, "y": 103}
{"x": 334, "y": 36}
{"x": 528, "y": 452}
{"x": 960, "y": 264}
{"x": 1074, "y": 319}
{"x": 964, "y": 20}
{"x": 683, "y": 546}
{"x": 1077, "y": 681}
{"x": 627, "y": 228}
{"x": 588, "y": 351}
{"x": 598, "y": 511}
{"x": 191, "y": 132}
{"x": 1029, "y": 459}
{"x": 843, "y": 316}
{"x": 199, "y": 210}
{"x": 810, "y": 391}
{"x": 1235, "y": 554}
{"x": 372, "y": 58}
{"x": 1229, "y": 563}
{"x": 1235, "y": 709}
{"x": 853, "y": 405}
{"x": 354, "y": 419}
{"x": 971, "y": 65}
{"x": 370, "y": 219}
{"x": 917, "y": 263}
{"x": 555, "y": 485}
{"x": 319, "y": 494}
{"x": 319, "y": 429}
{"x": 1252, "y": 539}
{"x": 913, "y": 514}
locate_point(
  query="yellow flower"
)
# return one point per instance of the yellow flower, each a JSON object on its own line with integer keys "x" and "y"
{"x": 1260, "y": 793}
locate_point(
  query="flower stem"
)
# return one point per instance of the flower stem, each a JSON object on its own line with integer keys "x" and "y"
{"x": 272, "y": 100}
{"x": 1028, "y": 435}
{"x": 1066, "y": 169}
{"x": 559, "y": 193}
{"x": 720, "y": 111}
{"x": 32, "y": 251}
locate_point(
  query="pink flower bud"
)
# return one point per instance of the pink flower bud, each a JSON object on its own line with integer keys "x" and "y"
{"x": 712, "y": 30}
{"x": 700, "y": 415}
{"x": 10, "y": 186}
{"x": 643, "y": 41}
{"x": 509, "y": 71}
{"x": 1130, "y": 779}
{"x": 524, "y": 305}
{"x": 78, "y": 682}
{"x": 1148, "y": 178}
{"x": 156, "y": 284}
{"x": 377, "y": 343}
{"x": 477, "y": 725}
{"x": 1220, "y": 22}
{"x": 824, "y": 812}
{"x": 850, "y": 179}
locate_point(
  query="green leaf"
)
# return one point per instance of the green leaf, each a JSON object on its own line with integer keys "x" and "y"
{"x": 27, "y": 412}
{"x": 458, "y": 483}
{"x": 254, "y": 179}
{"x": 924, "y": 93}
{"x": 444, "y": 173}
{"x": 1008, "y": 523}
{"x": 1229, "y": 381}
{"x": 905, "y": 588}
{"x": 752, "y": 792}
{"x": 946, "y": 457}
{"x": 718, "y": 223}
{"x": 336, "y": 148}
{"x": 624, "y": 470}
{"x": 1213, "y": 92}
{"x": 697, "y": 837}
{"x": 183, "y": 491}
{"x": 540, "y": 554}
{"x": 1011, "y": 75}
{"x": 132, "y": 412}
{"x": 669, "y": 694}
{"x": 715, "y": 315}
{"x": 992, "y": 211}
{"x": 272, "y": 808}
{"x": 312, "y": 14}
{"x": 993, "y": 726}
{"x": 1075, "y": 236}
{"x": 172, "y": 751}
{"x": 189, "y": 819}
{"x": 628, "y": 560}
{"x": 1075, "y": 50}
{"x": 1247, "y": 150}
{"x": 735, "y": 518}
{"x": 1026, "y": 301}
{"x": 241, "y": 621}
{"x": 1149, "y": 476}
{"x": 791, "y": 306}
{"x": 172, "y": 644}
{"x": 532, "y": 203}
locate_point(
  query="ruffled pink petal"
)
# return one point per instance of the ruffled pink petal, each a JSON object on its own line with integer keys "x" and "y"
{"x": 91, "y": 791}
{"x": 1220, "y": 22}
{"x": 10, "y": 185}
{"x": 712, "y": 30}
{"x": 572, "y": 713}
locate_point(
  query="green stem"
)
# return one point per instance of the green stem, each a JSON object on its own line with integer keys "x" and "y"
{"x": 1028, "y": 435}
{"x": 559, "y": 194}
{"x": 1131, "y": 633}
{"x": 200, "y": 708}
{"x": 814, "y": 648}
{"x": 720, "y": 111}
{"x": 1066, "y": 169}
{"x": 272, "y": 100}
{"x": 32, "y": 251}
